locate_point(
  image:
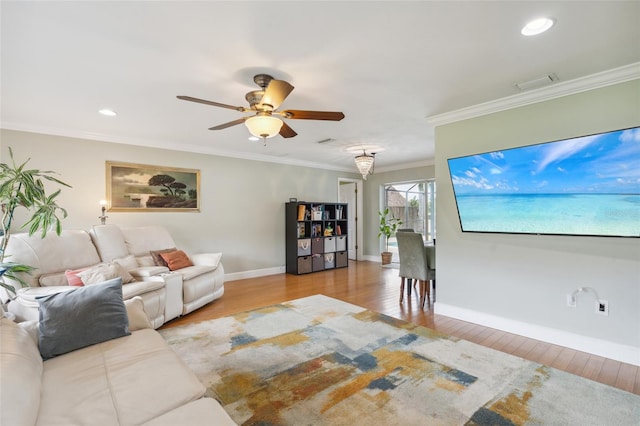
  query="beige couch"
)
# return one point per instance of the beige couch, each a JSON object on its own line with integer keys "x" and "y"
{"x": 202, "y": 283}
{"x": 166, "y": 294}
{"x": 131, "y": 380}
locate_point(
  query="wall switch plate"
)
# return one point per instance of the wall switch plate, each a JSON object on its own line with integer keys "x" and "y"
{"x": 602, "y": 307}
{"x": 571, "y": 301}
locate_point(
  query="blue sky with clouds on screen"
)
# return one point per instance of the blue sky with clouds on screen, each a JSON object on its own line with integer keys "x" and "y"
{"x": 605, "y": 163}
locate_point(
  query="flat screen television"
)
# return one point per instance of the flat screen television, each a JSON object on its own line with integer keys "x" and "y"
{"x": 588, "y": 185}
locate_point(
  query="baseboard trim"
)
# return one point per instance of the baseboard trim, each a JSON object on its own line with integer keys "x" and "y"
{"x": 604, "y": 348}
{"x": 254, "y": 273}
{"x": 370, "y": 258}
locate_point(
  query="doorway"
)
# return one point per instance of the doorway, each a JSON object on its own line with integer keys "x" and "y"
{"x": 350, "y": 192}
{"x": 413, "y": 203}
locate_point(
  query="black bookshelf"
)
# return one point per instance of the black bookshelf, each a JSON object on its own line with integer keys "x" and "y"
{"x": 316, "y": 236}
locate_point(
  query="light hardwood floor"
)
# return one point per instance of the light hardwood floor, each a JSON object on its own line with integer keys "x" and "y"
{"x": 369, "y": 285}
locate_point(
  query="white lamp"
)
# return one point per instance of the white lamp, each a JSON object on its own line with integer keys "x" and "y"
{"x": 263, "y": 126}
{"x": 365, "y": 163}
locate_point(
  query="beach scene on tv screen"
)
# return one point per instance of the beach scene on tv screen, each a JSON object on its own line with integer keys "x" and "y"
{"x": 587, "y": 185}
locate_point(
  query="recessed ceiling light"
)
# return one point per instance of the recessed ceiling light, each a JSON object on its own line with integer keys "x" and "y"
{"x": 537, "y": 26}
{"x": 254, "y": 138}
{"x": 108, "y": 112}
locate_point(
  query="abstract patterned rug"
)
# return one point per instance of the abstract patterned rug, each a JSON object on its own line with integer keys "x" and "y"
{"x": 321, "y": 361}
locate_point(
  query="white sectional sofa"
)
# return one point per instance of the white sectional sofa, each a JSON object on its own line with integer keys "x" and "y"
{"x": 166, "y": 294}
{"x": 135, "y": 379}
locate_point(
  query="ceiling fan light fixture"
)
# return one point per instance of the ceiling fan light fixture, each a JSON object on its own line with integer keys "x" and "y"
{"x": 263, "y": 126}
{"x": 365, "y": 163}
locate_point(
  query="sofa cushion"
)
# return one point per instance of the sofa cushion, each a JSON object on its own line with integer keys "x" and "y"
{"x": 55, "y": 279}
{"x": 21, "y": 372}
{"x": 81, "y": 317}
{"x": 142, "y": 239}
{"x": 109, "y": 241}
{"x": 128, "y": 262}
{"x": 103, "y": 272}
{"x": 146, "y": 260}
{"x": 176, "y": 260}
{"x": 125, "y": 381}
{"x": 45, "y": 254}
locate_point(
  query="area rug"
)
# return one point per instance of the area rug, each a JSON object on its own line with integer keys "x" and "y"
{"x": 321, "y": 361}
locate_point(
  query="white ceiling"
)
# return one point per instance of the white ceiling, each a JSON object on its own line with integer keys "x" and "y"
{"x": 387, "y": 65}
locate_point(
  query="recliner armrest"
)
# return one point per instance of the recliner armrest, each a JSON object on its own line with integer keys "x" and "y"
{"x": 148, "y": 271}
{"x": 208, "y": 259}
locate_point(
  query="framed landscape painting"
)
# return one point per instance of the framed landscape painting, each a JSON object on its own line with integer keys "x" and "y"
{"x": 141, "y": 187}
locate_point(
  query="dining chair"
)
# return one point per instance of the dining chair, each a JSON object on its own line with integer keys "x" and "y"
{"x": 417, "y": 262}
{"x": 409, "y": 280}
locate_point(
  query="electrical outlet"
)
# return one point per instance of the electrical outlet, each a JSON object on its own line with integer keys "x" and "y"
{"x": 571, "y": 301}
{"x": 602, "y": 307}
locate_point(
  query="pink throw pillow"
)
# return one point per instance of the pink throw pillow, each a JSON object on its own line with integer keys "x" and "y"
{"x": 72, "y": 278}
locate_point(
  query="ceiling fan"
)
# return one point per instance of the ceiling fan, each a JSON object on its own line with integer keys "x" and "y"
{"x": 264, "y": 103}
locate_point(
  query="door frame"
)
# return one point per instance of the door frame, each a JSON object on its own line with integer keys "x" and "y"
{"x": 355, "y": 212}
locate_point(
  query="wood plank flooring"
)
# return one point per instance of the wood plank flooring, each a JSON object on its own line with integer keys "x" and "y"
{"x": 374, "y": 287}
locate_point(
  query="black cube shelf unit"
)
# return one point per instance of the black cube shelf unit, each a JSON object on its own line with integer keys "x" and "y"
{"x": 316, "y": 236}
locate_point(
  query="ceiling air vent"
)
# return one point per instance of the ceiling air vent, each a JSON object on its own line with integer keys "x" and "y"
{"x": 537, "y": 82}
{"x": 327, "y": 140}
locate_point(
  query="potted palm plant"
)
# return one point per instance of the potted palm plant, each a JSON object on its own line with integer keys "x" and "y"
{"x": 23, "y": 187}
{"x": 388, "y": 227}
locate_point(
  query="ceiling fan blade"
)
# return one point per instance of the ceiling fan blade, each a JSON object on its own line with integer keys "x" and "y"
{"x": 217, "y": 104}
{"x": 229, "y": 124}
{"x": 286, "y": 131}
{"x": 297, "y": 114}
{"x": 275, "y": 93}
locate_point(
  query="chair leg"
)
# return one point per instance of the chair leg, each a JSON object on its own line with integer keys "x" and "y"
{"x": 402, "y": 289}
{"x": 422, "y": 293}
{"x": 427, "y": 286}
{"x": 425, "y": 290}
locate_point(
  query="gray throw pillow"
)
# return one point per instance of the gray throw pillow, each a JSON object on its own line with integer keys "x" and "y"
{"x": 81, "y": 317}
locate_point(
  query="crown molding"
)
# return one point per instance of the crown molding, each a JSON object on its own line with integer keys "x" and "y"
{"x": 169, "y": 145}
{"x": 557, "y": 90}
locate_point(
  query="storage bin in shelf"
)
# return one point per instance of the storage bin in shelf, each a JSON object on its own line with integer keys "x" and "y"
{"x": 317, "y": 245}
{"x": 329, "y": 244}
{"x": 304, "y": 265}
{"x": 304, "y": 247}
{"x": 341, "y": 259}
{"x": 317, "y": 261}
{"x": 329, "y": 260}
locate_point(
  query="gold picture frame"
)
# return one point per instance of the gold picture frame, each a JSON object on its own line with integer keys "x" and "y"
{"x": 146, "y": 188}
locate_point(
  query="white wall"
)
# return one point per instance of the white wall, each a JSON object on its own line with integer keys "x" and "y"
{"x": 242, "y": 201}
{"x": 519, "y": 282}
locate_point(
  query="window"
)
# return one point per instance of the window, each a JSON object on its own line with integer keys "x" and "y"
{"x": 414, "y": 203}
